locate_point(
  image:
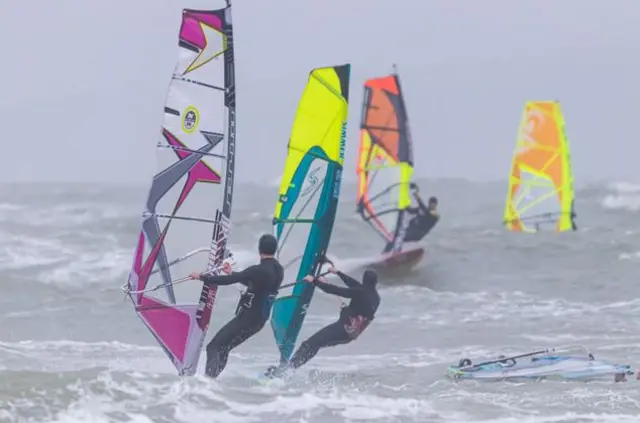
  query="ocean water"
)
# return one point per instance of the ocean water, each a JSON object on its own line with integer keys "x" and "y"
{"x": 72, "y": 350}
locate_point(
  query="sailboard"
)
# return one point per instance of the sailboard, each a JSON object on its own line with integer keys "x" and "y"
{"x": 189, "y": 202}
{"x": 308, "y": 198}
{"x": 385, "y": 168}
{"x": 540, "y": 195}
{"x": 565, "y": 363}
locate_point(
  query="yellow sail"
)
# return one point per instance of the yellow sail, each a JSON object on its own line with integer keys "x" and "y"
{"x": 309, "y": 193}
{"x": 540, "y": 194}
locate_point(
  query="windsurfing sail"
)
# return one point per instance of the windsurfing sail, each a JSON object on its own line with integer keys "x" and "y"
{"x": 385, "y": 160}
{"x": 540, "y": 194}
{"x": 308, "y": 197}
{"x": 189, "y": 202}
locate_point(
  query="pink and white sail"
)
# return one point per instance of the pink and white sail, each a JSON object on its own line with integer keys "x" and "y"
{"x": 189, "y": 202}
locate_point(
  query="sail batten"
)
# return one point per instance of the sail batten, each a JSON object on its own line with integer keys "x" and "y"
{"x": 540, "y": 194}
{"x": 189, "y": 201}
{"x": 308, "y": 196}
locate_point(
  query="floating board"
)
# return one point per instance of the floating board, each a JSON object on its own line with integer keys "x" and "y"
{"x": 540, "y": 195}
{"x": 308, "y": 198}
{"x": 189, "y": 202}
{"x": 385, "y": 168}
{"x": 545, "y": 364}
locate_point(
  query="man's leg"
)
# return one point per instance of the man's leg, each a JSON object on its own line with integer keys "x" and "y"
{"x": 329, "y": 336}
{"x": 234, "y": 333}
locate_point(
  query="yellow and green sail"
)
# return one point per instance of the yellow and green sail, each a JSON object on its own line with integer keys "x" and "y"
{"x": 540, "y": 195}
{"x": 309, "y": 192}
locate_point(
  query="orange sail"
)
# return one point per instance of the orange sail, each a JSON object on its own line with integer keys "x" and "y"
{"x": 540, "y": 194}
{"x": 385, "y": 159}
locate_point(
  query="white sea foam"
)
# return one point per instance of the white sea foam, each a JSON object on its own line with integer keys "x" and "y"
{"x": 89, "y": 268}
{"x": 625, "y": 196}
{"x": 22, "y": 251}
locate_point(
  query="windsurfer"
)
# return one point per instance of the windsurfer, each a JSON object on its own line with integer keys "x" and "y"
{"x": 423, "y": 219}
{"x": 354, "y": 318}
{"x": 262, "y": 281}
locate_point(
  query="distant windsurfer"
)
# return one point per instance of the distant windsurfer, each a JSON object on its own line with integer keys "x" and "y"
{"x": 262, "y": 281}
{"x": 228, "y": 255}
{"x": 422, "y": 218}
{"x": 354, "y": 318}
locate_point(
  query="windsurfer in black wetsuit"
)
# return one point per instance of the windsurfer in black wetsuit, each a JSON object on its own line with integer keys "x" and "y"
{"x": 423, "y": 219}
{"x": 262, "y": 281}
{"x": 354, "y": 318}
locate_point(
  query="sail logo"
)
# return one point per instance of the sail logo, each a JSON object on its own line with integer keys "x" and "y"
{"x": 231, "y": 160}
{"x": 532, "y": 120}
{"x": 190, "y": 119}
{"x": 343, "y": 139}
{"x": 312, "y": 180}
{"x": 336, "y": 187}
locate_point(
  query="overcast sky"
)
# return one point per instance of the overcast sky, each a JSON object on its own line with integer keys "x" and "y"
{"x": 82, "y": 82}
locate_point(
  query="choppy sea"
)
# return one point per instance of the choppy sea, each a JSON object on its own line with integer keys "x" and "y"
{"x": 72, "y": 350}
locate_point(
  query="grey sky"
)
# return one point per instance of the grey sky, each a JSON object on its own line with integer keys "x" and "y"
{"x": 83, "y": 82}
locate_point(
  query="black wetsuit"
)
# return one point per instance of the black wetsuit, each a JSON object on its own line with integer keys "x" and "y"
{"x": 263, "y": 281}
{"x": 353, "y": 319}
{"x": 421, "y": 223}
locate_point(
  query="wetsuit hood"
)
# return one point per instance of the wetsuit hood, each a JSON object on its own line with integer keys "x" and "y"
{"x": 370, "y": 279}
{"x": 267, "y": 245}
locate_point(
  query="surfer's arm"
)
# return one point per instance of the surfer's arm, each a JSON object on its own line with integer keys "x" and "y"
{"x": 243, "y": 277}
{"x": 335, "y": 290}
{"x": 348, "y": 280}
{"x": 421, "y": 206}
